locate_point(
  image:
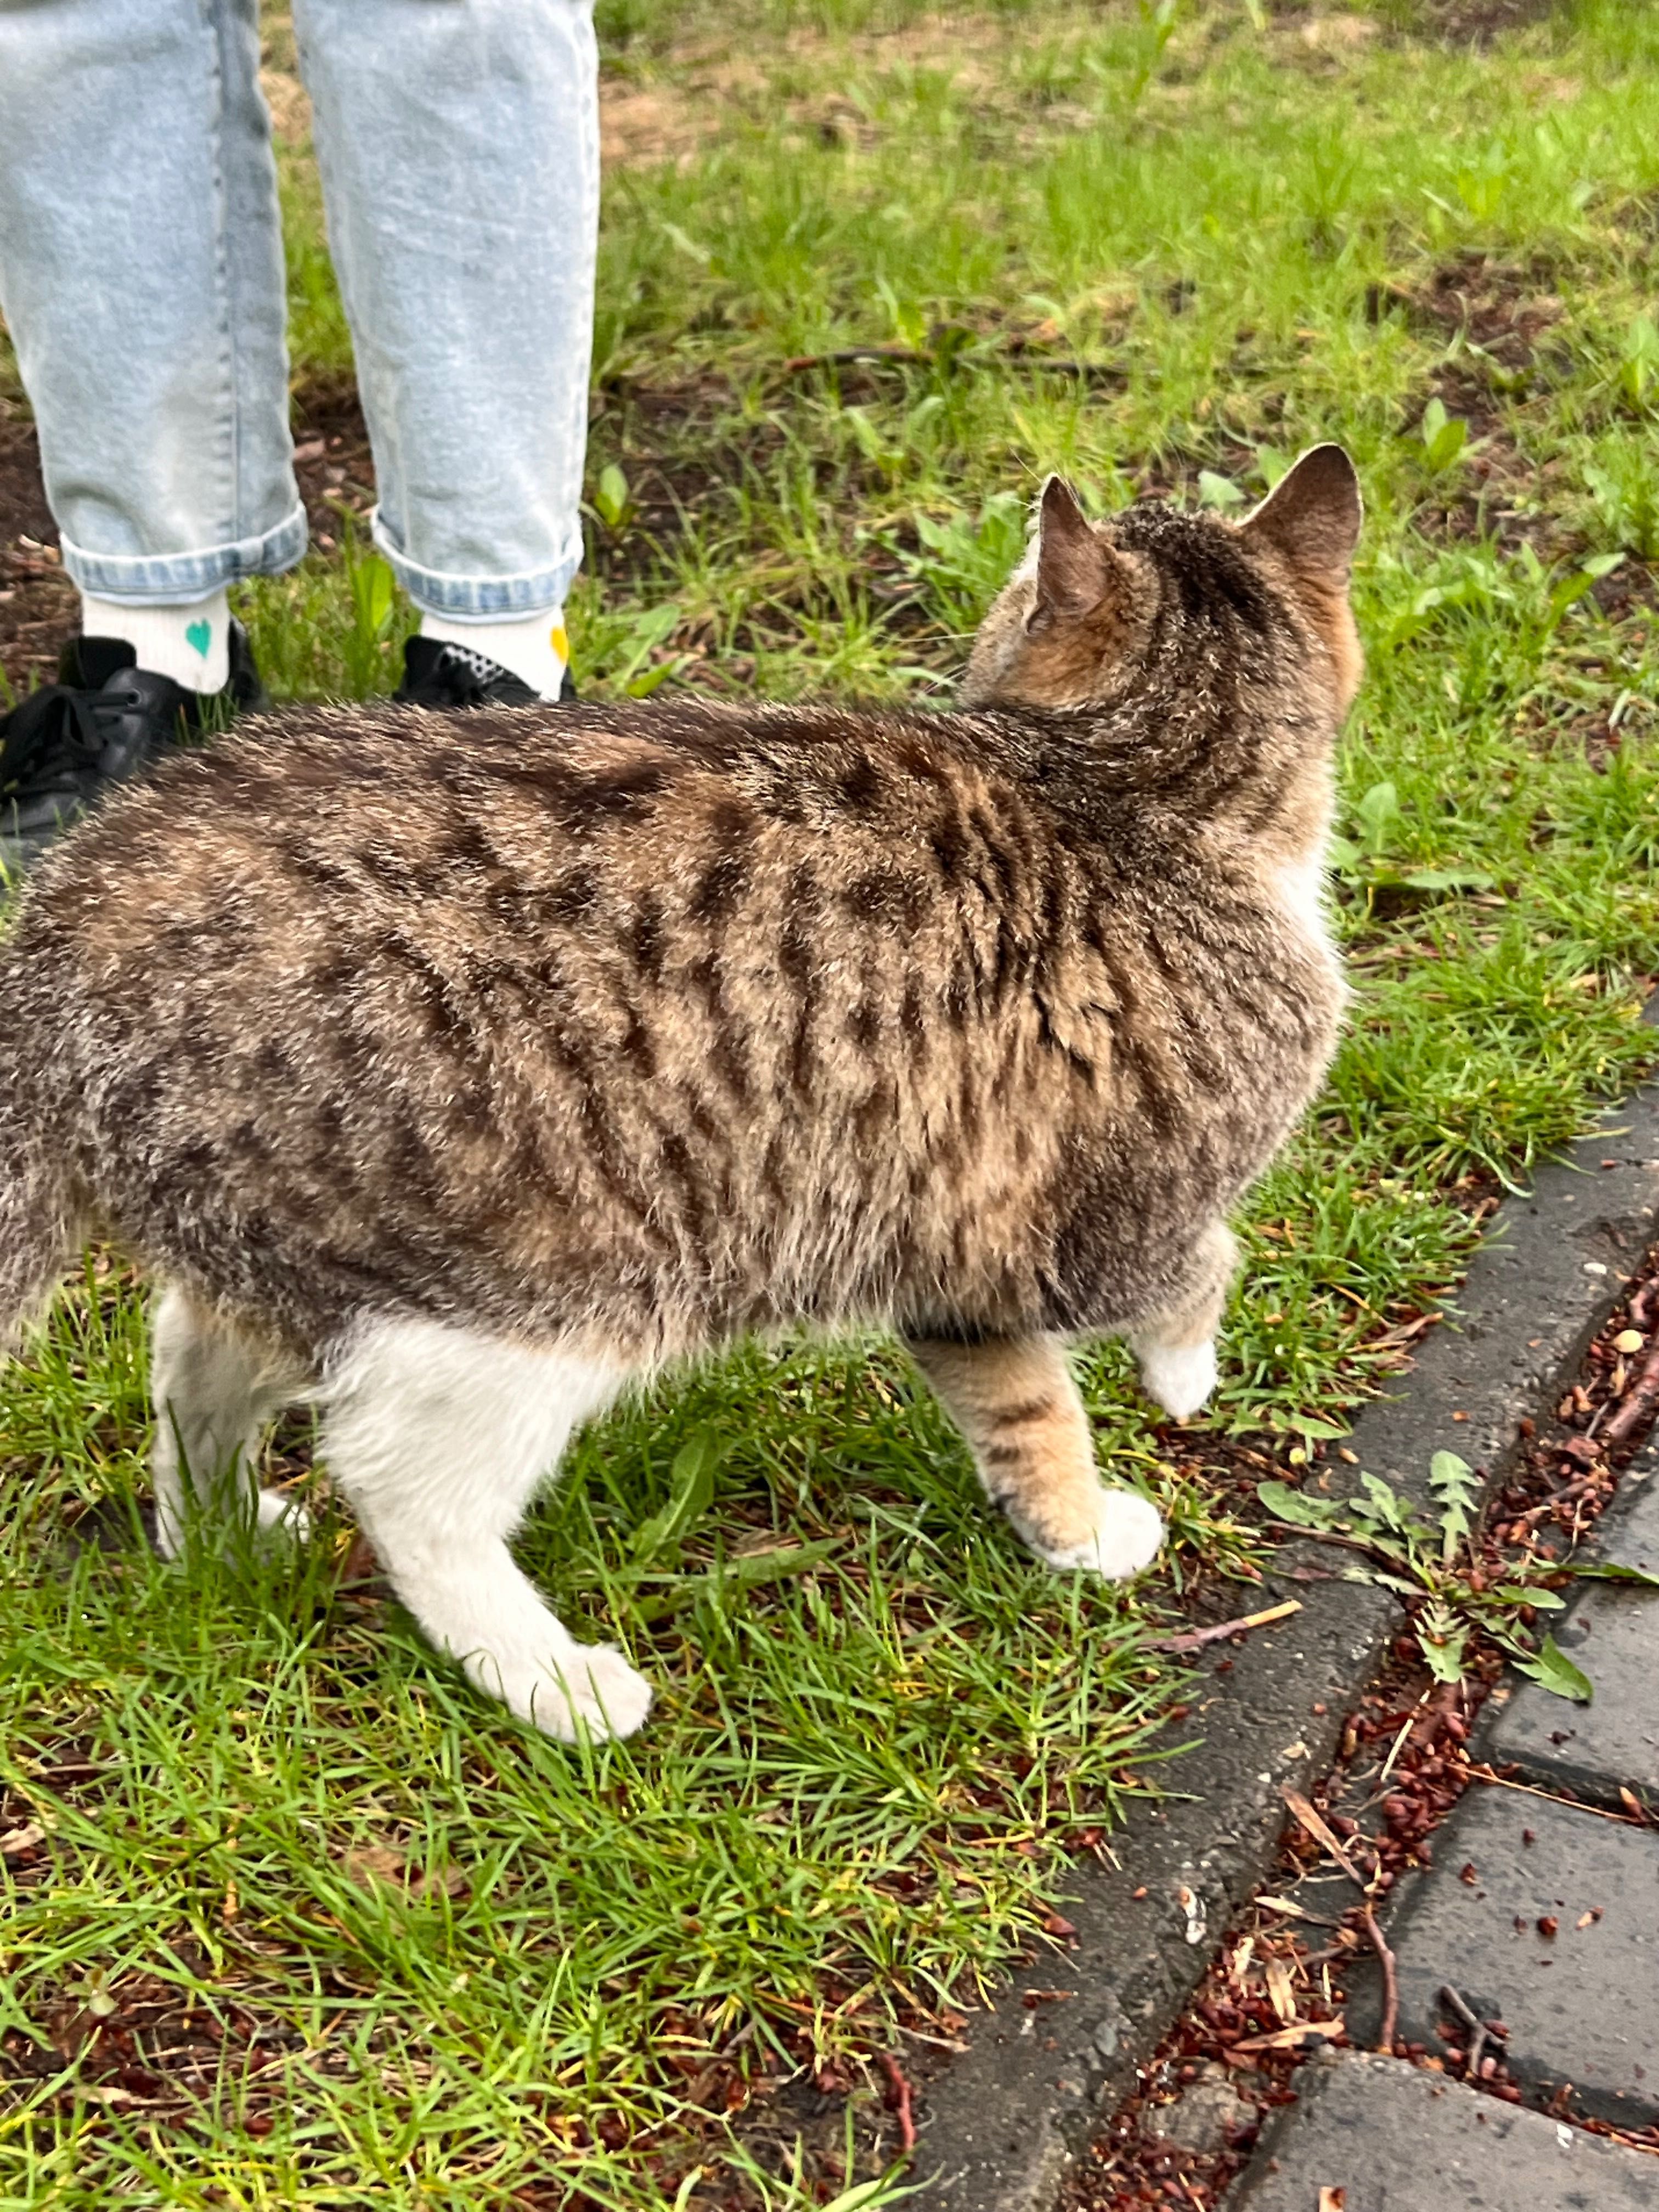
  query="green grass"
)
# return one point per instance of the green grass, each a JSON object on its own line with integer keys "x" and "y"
{"x": 857, "y": 1792}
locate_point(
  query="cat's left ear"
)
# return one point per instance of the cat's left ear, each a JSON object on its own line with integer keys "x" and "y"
{"x": 1312, "y": 515}
{"x": 1075, "y": 569}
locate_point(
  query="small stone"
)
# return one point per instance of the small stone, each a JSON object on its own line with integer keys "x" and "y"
{"x": 1206, "y": 2115}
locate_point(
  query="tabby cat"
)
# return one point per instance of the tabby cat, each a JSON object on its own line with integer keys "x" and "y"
{"x": 453, "y": 1073}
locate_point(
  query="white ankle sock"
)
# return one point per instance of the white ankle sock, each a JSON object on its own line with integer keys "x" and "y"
{"x": 190, "y": 643}
{"x": 534, "y": 647}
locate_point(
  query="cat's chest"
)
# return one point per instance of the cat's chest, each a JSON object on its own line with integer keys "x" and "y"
{"x": 1296, "y": 889}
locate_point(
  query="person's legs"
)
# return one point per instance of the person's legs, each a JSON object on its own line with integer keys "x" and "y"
{"x": 141, "y": 277}
{"x": 459, "y": 146}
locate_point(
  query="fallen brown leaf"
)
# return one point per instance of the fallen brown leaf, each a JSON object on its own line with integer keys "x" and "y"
{"x": 370, "y": 1864}
{"x": 18, "y": 1840}
{"x": 1332, "y": 2200}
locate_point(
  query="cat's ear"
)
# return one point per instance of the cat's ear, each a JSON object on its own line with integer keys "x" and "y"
{"x": 1075, "y": 570}
{"x": 1312, "y": 515}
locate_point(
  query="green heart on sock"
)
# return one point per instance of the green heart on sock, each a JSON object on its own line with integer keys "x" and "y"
{"x": 200, "y": 634}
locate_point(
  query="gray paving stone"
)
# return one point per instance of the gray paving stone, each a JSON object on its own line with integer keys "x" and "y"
{"x": 1614, "y": 1634}
{"x": 1395, "y": 2139}
{"x": 1582, "y": 2007}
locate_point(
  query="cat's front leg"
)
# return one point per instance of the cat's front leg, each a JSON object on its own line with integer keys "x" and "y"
{"x": 439, "y": 1438}
{"x": 1015, "y": 1401}
{"x": 1175, "y": 1350}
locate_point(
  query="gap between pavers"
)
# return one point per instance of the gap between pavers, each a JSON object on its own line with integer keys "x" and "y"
{"x": 1001, "y": 2124}
{"x": 1390, "y": 2138}
{"x": 1613, "y": 1631}
{"x": 1557, "y": 1938}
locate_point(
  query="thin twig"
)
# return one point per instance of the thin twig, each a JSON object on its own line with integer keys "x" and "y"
{"x": 1576, "y": 1488}
{"x": 1530, "y": 1789}
{"x": 1305, "y": 1814}
{"x": 1195, "y": 1639}
{"x": 898, "y": 2098}
{"x": 1400, "y": 1740}
{"x": 1477, "y": 2029}
{"x": 1390, "y": 1983}
{"x": 1640, "y": 1402}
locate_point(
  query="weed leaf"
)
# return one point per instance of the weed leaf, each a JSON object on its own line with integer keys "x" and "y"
{"x": 1287, "y": 1504}
{"x": 1605, "y": 1571}
{"x": 691, "y": 1494}
{"x": 1452, "y": 1481}
{"x": 1550, "y": 1666}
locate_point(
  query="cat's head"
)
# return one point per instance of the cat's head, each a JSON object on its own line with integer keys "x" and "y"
{"x": 1097, "y": 612}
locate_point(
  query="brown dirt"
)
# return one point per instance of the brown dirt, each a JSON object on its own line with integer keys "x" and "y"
{"x": 36, "y": 602}
{"x": 38, "y": 605}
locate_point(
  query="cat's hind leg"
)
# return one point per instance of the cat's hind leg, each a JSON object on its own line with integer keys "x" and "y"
{"x": 1015, "y": 1400}
{"x": 438, "y": 1436}
{"x": 214, "y": 1389}
{"x": 1177, "y": 1350}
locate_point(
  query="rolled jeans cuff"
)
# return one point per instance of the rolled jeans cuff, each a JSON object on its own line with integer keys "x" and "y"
{"x": 480, "y": 598}
{"x": 177, "y": 579}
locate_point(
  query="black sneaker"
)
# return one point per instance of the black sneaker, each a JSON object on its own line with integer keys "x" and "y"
{"x": 438, "y": 674}
{"x": 104, "y": 721}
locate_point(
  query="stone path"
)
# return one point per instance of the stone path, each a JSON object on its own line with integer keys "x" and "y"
{"x": 1374, "y": 2135}
{"x": 1542, "y": 1916}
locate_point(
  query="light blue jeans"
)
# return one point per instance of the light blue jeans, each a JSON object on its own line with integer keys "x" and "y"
{"x": 141, "y": 277}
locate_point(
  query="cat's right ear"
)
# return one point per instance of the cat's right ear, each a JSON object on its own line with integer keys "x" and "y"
{"x": 1076, "y": 570}
{"x": 1312, "y": 515}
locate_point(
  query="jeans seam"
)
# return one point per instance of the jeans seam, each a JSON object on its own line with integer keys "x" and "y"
{"x": 527, "y": 591}
{"x": 222, "y": 262}
{"x": 193, "y": 573}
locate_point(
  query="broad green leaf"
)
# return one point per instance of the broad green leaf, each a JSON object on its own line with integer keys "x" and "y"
{"x": 691, "y": 1494}
{"x": 610, "y": 499}
{"x": 1544, "y": 1601}
{"x": 1301, "y": 1512}
{"x": 1607, "y": 1571}
{"x": 1444, "y": 436}
{"x": 1550, "y": 1666}
{"x": 1218, "y": 491}
{"x": 1378, "y": 814}
{"x": 1383, "y": 1503}
{"x": 1272, "y": 464}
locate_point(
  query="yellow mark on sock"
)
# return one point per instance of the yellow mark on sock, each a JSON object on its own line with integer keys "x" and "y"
{"x": 560, "y": 642}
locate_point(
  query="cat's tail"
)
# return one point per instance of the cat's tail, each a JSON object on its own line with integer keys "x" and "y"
{"x": 42, "y": 1207}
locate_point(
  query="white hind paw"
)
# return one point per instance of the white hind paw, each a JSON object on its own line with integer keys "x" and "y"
{"x": 1178, "y": 1377}
{"x": 1124, "y": 1539}
{"x": 284, "y": 1517}
{"x": 593, "y": 1688}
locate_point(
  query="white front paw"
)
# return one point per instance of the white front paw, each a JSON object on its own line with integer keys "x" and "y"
{"x": 1178, "y": 1377}
{"x": 594, "y": 1688}
{"x": 1124, "y": 1539}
